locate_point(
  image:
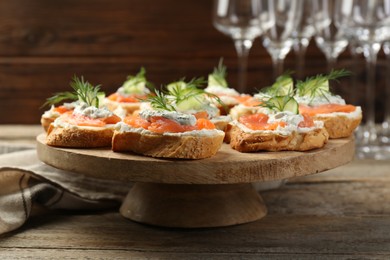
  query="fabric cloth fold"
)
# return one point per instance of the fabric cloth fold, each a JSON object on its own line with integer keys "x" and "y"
{"x": 26, "y": 182}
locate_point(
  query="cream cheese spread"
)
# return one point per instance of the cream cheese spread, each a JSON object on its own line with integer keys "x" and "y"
{"x": 292, "y": 121}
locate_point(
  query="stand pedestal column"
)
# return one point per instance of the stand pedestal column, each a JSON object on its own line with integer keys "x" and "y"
{"x": 193, "y": 206}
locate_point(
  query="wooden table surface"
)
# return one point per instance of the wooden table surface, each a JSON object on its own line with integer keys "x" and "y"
{"x": 343, "y": 213}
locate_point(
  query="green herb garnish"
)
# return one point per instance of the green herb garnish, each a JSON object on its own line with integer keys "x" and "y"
{"x": 160, "y": 101}
{"x": 182, "y": 96}
{"x": 218, "y": 77}
{"x": 281, "y": 103}
{"x": 82, "y": 90}
{"x": 319, "y": 84}
{"x": 136, "y": 84}
{"x": 283, "y": 86}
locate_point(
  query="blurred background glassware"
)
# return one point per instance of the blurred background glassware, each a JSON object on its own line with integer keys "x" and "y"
{"x": 277, "y": 39}
{"x": 302, "y": 35}
{"x": 240, "y": 19}
{"x": 329, "y": 38}
{"x": 368, "y": 23}
{"x": 384, "y": 134}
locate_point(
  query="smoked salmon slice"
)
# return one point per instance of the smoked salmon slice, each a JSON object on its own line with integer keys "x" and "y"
{"x": 325, "y": 109}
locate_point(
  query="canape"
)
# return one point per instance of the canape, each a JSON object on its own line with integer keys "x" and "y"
{"x": 279, "y": 128}
{"x": 165, "y": 132}
{"x": 315, "y": 99}
{"x": 87, "y": 125}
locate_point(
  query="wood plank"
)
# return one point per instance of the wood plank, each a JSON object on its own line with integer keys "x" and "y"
{"x": 275, "y": 234}
{"x": 43, "y": 253}
{"x": 328, "y": 219}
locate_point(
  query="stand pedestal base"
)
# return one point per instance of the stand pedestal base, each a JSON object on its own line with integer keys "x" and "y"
{"x": 193, "y": 206}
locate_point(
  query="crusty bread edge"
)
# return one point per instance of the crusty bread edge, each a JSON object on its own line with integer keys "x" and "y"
{"x": 254, "y": 142}
{"x": 168, "y": 146}
{"x": 78, "y": 137}
{"x": 339, "y": 126}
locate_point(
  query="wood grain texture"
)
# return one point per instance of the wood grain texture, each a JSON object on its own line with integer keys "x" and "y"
{"x": 228, "y": 166}
{"x": 334, "y": 225}
{"x": 44, "y": 43}
{"x": 193, "y": 206}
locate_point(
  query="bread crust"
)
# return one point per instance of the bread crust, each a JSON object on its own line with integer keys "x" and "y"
{"x": 127, "y": 106}
{"x": 167, "y": 146}
{"x": 253, "y": 142}
{"x": 46, "y": 121}
{"x": 79, "y": 137}
{"x": 339, "y": 126}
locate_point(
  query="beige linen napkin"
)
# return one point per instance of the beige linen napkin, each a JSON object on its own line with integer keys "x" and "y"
{"x": 26, "y": 182}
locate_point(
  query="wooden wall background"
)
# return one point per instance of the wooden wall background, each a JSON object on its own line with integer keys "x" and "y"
{"x": 43, "y": 43}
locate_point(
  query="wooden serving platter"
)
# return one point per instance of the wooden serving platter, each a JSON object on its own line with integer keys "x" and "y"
{"x": 196, "y": 193}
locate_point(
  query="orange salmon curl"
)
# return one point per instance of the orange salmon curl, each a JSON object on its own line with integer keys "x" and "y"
{"x": 159, "y": 124}
{"x": 325, "y": 109}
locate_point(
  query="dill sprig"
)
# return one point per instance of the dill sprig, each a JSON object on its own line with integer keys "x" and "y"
{"x": 85, "y": 91}
{"x": 318, "y": 85}
{"x": 181, "y": 91}
{"x": 281, "y": 103}
{"x": 160, "y": 101}
{"x": 82, "y": 90}
{"x": 218, "y": 77}
{"x": 60, "y": 97}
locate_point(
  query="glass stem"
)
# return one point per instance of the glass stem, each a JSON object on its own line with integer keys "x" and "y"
{"x": 370, "y": 53}
{"x": 386, "y": 119}
{"x": 331, "y": 63}
{"x": 277, "y": 64}
{"x": 242, "y": 47}
{"x": 300, "y": 50}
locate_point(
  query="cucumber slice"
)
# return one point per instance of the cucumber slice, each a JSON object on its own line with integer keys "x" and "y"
{"x": 180, "y": 85}
{"x": 283, "y": 103}
{"x": 191, "y": 103}
{"x": 282, "y": 87}
{"x": 216, "y": 80}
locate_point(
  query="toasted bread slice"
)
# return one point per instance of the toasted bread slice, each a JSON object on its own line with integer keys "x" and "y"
{"x": 79, "y": 137}
{"x": 267, "y": 141}
{"x": 339, "y": 126}
{"x": 183, "y": 146}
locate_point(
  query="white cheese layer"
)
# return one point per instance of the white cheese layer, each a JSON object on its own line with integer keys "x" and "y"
{"x": 123, "y": 128}
{"x": 320, "y": 100}
{"x": 292, "y": 121}
{"x": 181, "y": 118}
{"x": 92, "y": 112}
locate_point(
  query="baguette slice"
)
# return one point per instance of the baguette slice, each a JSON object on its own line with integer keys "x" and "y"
{"x": 79, "y": 137}
{"x": 258, "y": 141}
{"x": 168, "y": 145}
{"x": 339, "y": 126}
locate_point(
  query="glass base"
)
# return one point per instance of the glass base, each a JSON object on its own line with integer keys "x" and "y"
{"x": 376, "y": 152}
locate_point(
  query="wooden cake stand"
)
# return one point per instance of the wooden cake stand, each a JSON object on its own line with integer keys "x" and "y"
{"x": 210, "y": 192}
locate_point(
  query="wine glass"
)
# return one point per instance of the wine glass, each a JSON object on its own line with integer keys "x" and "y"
{"x": 329, "y": 38}
{"x": 302, "y": 34}
{"x": 240, "y": 19}
{"x": 385, "y": 130}
{"x": 278, "y": 38}
{"x": 368, "y": 23}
